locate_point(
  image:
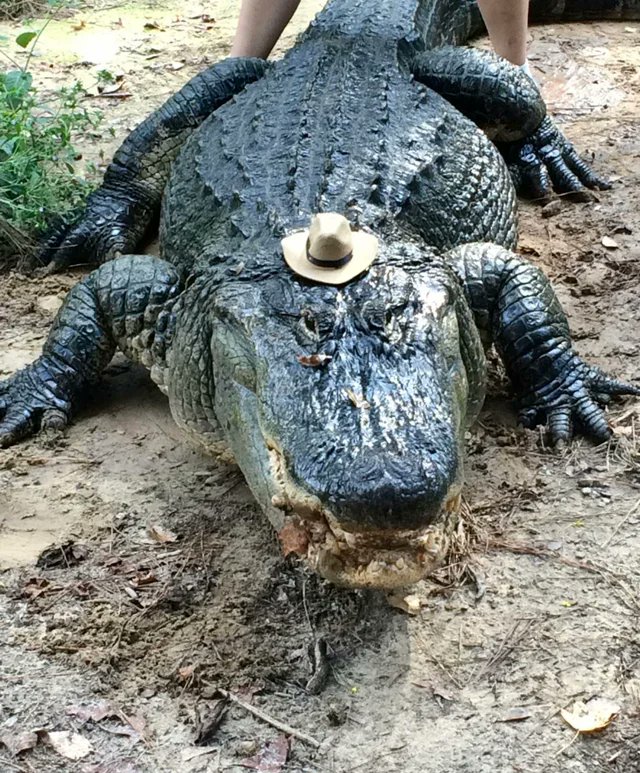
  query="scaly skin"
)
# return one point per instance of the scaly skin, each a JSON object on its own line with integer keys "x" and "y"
{"x": 356, "y": 456}
{"x": 119, "y": 213}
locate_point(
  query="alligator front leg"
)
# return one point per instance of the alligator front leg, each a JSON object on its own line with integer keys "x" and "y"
{"x": 516, "y": 308}
{"x": 506, "y": 103}
{"x": 121, "y": 210}
{"x": 126, "y": 303}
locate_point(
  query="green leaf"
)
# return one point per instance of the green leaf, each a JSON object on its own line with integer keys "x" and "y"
{"x": 16, "y": 85}
{"x": 25, "y": 38}
{"x": 18, "y": 80}
{"x": 7, "y": 145}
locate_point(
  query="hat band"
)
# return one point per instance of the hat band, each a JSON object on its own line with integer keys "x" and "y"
{"x": 328, "y": 263}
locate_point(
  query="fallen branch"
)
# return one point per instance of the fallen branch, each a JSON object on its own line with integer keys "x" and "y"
{"x": 111, "y": 95}
{"x": 269, "y": 719}
{"x": 526, "y": 548}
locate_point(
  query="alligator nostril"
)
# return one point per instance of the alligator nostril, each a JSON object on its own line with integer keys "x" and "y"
{"x": 390, "y": 491}
{"x": 310, "y": 324}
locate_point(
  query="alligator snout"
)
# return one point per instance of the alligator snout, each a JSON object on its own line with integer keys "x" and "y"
{"x": 386, "y": 491}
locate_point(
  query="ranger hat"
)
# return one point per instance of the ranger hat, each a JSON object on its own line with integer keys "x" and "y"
{"x": 329, "y": 251}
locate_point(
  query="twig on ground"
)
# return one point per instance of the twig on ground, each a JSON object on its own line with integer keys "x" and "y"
{"x": 567, "y": 745}
{"x": 12, "y": 766}
{"x": 269, "y": 719}
{"x": 621, "y": 523}
{"x": 627, "y": 595}
{"x": 512, "y": 638}
{"x": 114, "y": 95}
{"x": 526, "y": 548}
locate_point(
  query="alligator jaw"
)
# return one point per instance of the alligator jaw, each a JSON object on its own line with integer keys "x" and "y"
{"x": 382, "y": 558}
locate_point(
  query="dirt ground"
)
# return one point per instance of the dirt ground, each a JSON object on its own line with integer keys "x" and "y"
{"x": 165, "y": 583}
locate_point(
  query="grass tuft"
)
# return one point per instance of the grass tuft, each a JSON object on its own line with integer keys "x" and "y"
{"x": 39, "y": 180}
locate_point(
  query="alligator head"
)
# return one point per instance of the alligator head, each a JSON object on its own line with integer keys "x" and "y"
{"x": 346, "y": 408}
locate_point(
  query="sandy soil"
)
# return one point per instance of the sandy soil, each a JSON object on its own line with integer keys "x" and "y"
{"x": 171, "y": 584}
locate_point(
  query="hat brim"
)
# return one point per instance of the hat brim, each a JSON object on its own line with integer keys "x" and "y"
{"x": 365, "y": 249}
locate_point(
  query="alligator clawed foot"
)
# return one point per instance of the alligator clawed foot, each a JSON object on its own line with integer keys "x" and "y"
{"x": 546, "y": 162}
{"x": 574, "y": 399}
{"x": 29, "y": 404}
{"x": 104, "y": 232}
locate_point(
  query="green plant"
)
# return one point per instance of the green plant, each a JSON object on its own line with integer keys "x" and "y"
{"x": 38, "y": 175}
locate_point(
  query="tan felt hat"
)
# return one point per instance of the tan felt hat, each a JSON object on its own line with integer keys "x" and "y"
{"x": 329, "y": 251}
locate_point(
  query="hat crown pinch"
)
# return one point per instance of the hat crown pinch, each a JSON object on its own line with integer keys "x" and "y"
{"x": 330, "y": 237}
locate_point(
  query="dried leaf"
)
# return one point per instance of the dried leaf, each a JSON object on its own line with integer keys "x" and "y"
{"x": 36, "y": 586}
{"x": 357, "y": 400}
{"x": 138, "y": 723}
{"x": 19, "y": 741}
{"x": 73, "y": 746}
{"x": 440, "y": 692}
{"x": 593, "y": 715}
{"x": 609, "y": 243}
{"x": 159, "y": 534}
{"x": 409, "y": 604}
{"x": 140, "y": 580}
{"x": 62, "y": 556}
{"x": 208, "y": 719}
{"x": 110, "y": 88}
{"x": 293, "y": 538}
{"x": 437, "y": 690}
{"x": 271, "y": 758}
{"x": 95, "y": 712}
{"x": 314, "y": 360}
{"x": 319, "y": 658}
{"x": 186, "y": 672}
{"x": 204, "y": 17}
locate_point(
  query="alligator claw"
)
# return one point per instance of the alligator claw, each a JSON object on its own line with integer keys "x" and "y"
{"x": 29, "y": 405}
{"x": 105, "y": 231}
{"x": 573, "y": 398}
{"x": 546, "y": 162}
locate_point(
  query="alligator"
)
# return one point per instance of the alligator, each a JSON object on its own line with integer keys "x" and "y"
{"x": 345, "y": 405}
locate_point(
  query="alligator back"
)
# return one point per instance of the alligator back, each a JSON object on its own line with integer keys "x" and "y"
{"x": 337, "y": 125}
